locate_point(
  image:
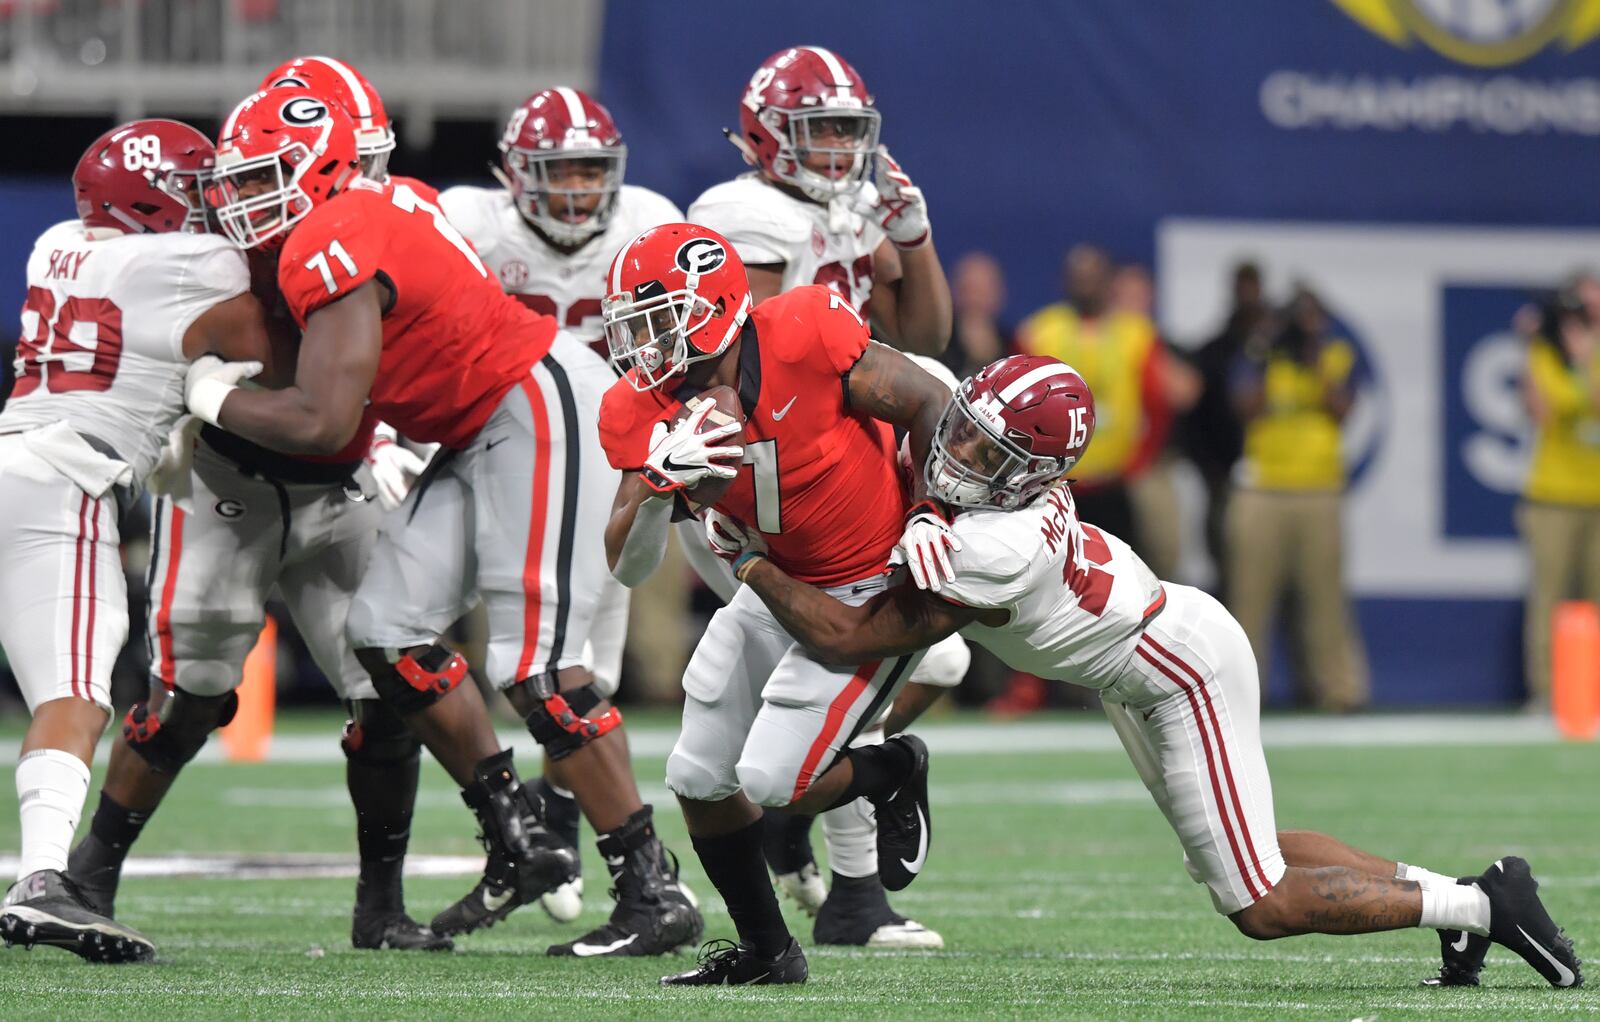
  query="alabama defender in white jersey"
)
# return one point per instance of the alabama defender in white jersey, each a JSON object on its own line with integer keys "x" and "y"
{"x": 548, "y": 235}
{"x": 119, "y": 301}
{"x": 241, "y": 523}
{"x": 808, "y": 214}
{"x": 1058, "y": 598}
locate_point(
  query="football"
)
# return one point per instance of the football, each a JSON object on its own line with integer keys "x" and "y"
{"x": 728, "y": 410}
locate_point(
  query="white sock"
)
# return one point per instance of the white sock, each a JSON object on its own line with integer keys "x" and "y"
{"x": 1457, "y": 907}
{"x": 1426, "y": 877}
{"x": 51, "y": 787}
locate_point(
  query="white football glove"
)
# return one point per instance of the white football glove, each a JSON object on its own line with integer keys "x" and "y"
{"x": 682, "y": 457}
{"x": 927, "y": 545}
{"x": 171, "y": 475}
{"x": 210, "y": 380}
{"x": 900, "y": 208}
{"x": 729, "y": 537}
{"x": 394, "y": 468}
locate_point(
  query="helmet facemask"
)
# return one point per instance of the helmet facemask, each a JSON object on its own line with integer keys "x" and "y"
{"x": 258, "y": 198}
{"x": 846, "y": 135}
{"x": 651, "y": 334}
{"x": 537, "y": 181}
{"x": 973, "y": 464}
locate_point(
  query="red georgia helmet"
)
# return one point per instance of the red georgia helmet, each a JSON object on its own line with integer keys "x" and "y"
{"x": 807, "y": 100}
{"x": 281, "y": 153}
{"x": 144, "y": 176}
{"x": 675, "y": 295}
{"x": 338, "y": 82}
{"x": 1011, "y": 431}
{"x": 558, "y": 125}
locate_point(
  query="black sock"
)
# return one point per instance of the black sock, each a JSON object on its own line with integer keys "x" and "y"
{"x": 561, "y": 813}
{"x": 877, "y": 770}
{"x": 116, "y": 826}
{"x": 786, "y": 840}
{"x": 384, "y": 795}
{"x": 867, "y": 890}
{"x": 736, "y": 868}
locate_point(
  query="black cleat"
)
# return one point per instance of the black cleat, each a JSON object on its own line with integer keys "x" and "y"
{"x": 1461, "y": 955}
{"x": 395, "y": 931}
{"x": 97, "y": 871}
{"x": 47, "y": 908}
{"x": 655, "y": 913}
{"x": 724, "y": 963}
{"x": 525, "y": 859}
{"x": 858, "y": 914}
{"x": 1518, "y": 920}
{"x": 904, "y": 826}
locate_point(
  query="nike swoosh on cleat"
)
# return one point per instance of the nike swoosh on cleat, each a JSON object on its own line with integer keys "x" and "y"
{"x": 915, "y": 865}
{"x": 1565, "y": 974}
{"x": 1461, "y": 945}
{"x": 583, "y": 950}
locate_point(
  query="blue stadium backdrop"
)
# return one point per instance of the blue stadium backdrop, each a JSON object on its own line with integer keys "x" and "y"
{"x": 1425, "y": 164}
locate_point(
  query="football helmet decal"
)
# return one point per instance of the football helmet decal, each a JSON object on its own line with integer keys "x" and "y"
{"x": 337, "y": 82}
{"x": 144, "y": 176}
{"x": 676, "y": 295}
{"x": 1009, "y": 433}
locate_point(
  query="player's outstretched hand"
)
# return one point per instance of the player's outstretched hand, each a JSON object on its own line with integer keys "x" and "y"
{"x": 927, "y": 545}
{"x": 394, "y": 468}
{"x": 210, "y": 380}
{"x": 730, "y": 537}
{"x": 900, "y": 209}
{"x": 682, "y": 456}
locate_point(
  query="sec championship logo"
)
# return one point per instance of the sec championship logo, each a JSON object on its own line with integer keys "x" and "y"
{"x": 1484, "y": 33}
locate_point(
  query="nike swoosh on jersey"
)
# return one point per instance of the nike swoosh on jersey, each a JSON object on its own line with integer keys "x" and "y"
{"x": 915, "y": 865}
{"x": 583, "y": 950}
{"x": 1567, "y": 978}
{"x": 1461, "y": 945}
{"x": 781, "y": 412}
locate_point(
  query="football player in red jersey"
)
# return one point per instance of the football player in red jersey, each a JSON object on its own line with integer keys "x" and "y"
{"x": 1056, "y": 597}
{"x": 303, "y": 525}
{"x": 814, "y": 470}
{"x": 397, "y": 310}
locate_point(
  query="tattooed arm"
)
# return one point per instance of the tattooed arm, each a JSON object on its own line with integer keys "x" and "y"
{"x": 887, "y": 385}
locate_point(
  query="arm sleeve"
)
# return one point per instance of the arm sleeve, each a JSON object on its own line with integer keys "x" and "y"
{"x": 990, "y": 572}
{"x": 337, "y": 249}
{"x": 209, "y": 277}
{"x": 759, "y": 235}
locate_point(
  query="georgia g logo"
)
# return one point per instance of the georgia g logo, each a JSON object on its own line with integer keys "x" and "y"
{"x": 304, "y": 110}
{"x": 700, "y": 255}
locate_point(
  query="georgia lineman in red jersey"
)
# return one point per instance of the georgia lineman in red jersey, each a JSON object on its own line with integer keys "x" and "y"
{"x": 398, "y": 311}
{"x": 764, "y": 724}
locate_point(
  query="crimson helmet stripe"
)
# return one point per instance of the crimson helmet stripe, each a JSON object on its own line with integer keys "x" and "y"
{"x": 352, "y": 81}
{"x": 1032, "y": 376}
{"x": 574, "y": 102}
{"x": 841, "y": 81}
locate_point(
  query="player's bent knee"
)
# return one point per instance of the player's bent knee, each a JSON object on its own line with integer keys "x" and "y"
{"x": 411, "y": 682}
{"x": 376, "y": 735}
{"x": 771, "y": 789}
{"x": 688, "y": 778}
{"x": 564, "y": 722}
{"x": 1261, "y": 921}
{"x": 169, "y": 738}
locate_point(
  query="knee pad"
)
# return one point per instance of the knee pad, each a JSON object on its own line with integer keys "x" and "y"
{"x": 172, "y": 737}
{"x": 376, "y": 735}
{"x": 763, "y": 787}
{"x": 690, "y": 779}
{"x": 415, "y": 683}
{"x": 561, "y": 722}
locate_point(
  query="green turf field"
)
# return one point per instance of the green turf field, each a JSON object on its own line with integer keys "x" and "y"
{"x": 1054, "y": 880}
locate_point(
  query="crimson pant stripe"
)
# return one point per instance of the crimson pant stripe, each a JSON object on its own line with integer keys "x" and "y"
{"x": 158, "y": 509}
{"x": 569, "y": 508}
{"x": 1222, "y": 748}
{"x": 1211, "y": 768}
{"x": 88, "y": 631}
{"x": 1228, "y": 768}
{"x": 77, "y": 591}
{"x": 831, "y": 723}
{"x": 533, "y": 556}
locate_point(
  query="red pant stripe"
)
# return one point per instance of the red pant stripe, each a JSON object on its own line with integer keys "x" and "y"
{"x": 1222, "y": 748}
{"x": 169, "y": 585}
{"x": 88, "y": 632}
{"x": 832, "y": 723}
{"x": 532, "y": 573}
{"x": 77, "y": 592}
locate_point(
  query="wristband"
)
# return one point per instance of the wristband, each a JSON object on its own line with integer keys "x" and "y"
{"x": 205, "y": 399}
{"x": 921, "y": 240}
{"x": 743, "y": 563}
{"x": 928, "y": 506}
{"x": 659, "y": 482}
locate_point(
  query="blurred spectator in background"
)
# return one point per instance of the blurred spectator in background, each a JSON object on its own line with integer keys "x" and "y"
{"x": 1212, "y": 433}
{"x": 1559, "y": 515}
{"x": 978, "y": 293}
{"x": 1285, "y": 529}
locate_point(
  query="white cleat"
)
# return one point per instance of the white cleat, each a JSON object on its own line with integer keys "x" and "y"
{"x": 909, "y": 935}
{"x": 565, "y": 903}
{"x": 805, "y": 888}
